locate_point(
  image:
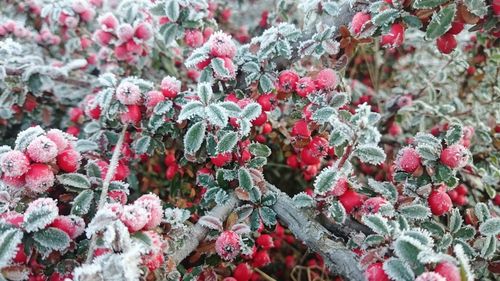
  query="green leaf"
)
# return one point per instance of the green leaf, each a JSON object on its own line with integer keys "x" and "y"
{"x": 169, "y": 33}
{"x": 477, "y": 7}
{"x": 251, "y": 111}
{"x": 172, "y": 9}
{"x": 489, "y": 246}
{"x": 465, "y": 233}
{"x": 323, "y": 114}
{"x": 52, "y": 238}
{"x": 454, "y": 134}
{"x": 337, "y": 212}
{"x": 9, "y": 240}
{"x": 455, "y": 221}
{"x": 219, "y": 68}
{"x": 268, "y": 216}
{"x": 251, "y": 67}
{"x": 302, "y": 200}
{"x": 205, "y": 92}
{"x": 258, "y": 149}
{"x": 436, "y": 228}
{"x": 163, "y": 107}
{"x": 216, "y": 115}
{"x": 427, "y": 4}
{"x": 265, "y": 84}
{"x": 245, "y": 179}
{"x": 441, "y": 22}
{"x": 231, "y": 108}
{"x": 190, "y": 110}
{"x": 39, "y": 218}
{"x": 227, "y": 142}
{"x": 377, "y": 223}
{"x": 385, "y": 17}
{"x": 370, "y": 153}
{"x": 142, "y": 144}
{"x": 25, "y": 137}
{"x": 85, "y": 145}
{"x": 257, "y": 162}
{"x": 194, "y": 137}
{"x": 482, "y": 212}
{"x": 415, "y": 211}
{"x": 325, "y": 181}
{"x": 254, "y": 220}
{"x": 398, "y": 270}
{"x": 386, "y": 189}
{"x": 82, "y": 203}
{"x": 408, "y": 249}
{"x": 74, "y": 180}
{"x": 412, "y": 21}
{"x": 490, "y": 227}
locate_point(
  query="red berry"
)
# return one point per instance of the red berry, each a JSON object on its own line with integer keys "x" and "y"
{"x": 221, "y": 45}
{"x": 42, "y": 150}
{"x": 319, "y": 146}
{"x": 14, "y": 163}
{"x": 69, "y": 160}
{"x": 375, "y": 272}
{"x": 261, "y": 259}
{"x": 265, "y": 241}
{"x": 152, "y": 204}
{"x": 287, "y": 81}
{"x": 193, "y": 38}
{"x": 260, "y": 120}
{"x": 74, "y": 226}
{"x": 39, "y": 178}
{"x": 456, "y": 28}
{"x": 308, "y": 157}
{"x": 301, "y": 129}
{"x": 340, "y": 187}
{"x": 267, "y": 128}
{"x": 221, "y": 159}
{"x": 395, "y": 37}
{"x": 170, "y": 87}
{"x": 134, "y": 217}
{"x": 266, "y": 101}
{"x": 408, "y": 160}
{"x": 20, "y": 256}
{"x": 132, "y": 115}
{"x": 454, "y": 156}
{"x": 242, "y": 272}
{"x": 305, "y": 86}
{"x": 358, "y": 21}
{"x": 143, "y": 31}
{"x": 153, "y": 98}
{"x": 326, "y": 79}
{"x": 228, "y": 245}
{"x": 75, "y": 114}
{"x": 372, "y": 205}
{"x": 59, "y": 138}
{"x": 496, "y": 200}
{"x": 351, "y": 200}
{"x": 439, "y": 202}
{"x": 446, "y": 43}
{"x": 394, "y": 129}
{"x": 462, "y": 189}
{"x": 292, "y": 161}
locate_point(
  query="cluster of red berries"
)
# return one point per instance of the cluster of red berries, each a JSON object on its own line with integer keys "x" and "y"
{"x": 80, "y": 11}
{"x": 35, "y": 166}
{"x": 220, "y": 45}
{"x": 290, "y": 82}
{"x": 129, "y": 41}
{"x": 14, "y": 28}
{"x": 394, "y": 38}
{"x": 458, "y": 195}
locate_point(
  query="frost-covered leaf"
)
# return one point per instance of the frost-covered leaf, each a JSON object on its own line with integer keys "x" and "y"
{"x": 427, "y": 4}
{"x": 398, "y": 270}
{"x": 302, "y": 200}
{"x": 386, "y": 189}
{"x": 377, "y": 223}
{"x": 227, "y": 142}
{"x": 325, "y": 181}
{"x": 265, "y": 83}
{"x": 194, "y": 137}
{"x": 232, "y": 109}
{"x": 25, "y": 137}
{"x": 82, "y": 203}
{"x": 85, "y": 145}
{"x": 415, "y": 211}
{"x": 482, "y": 212}
{"x": 9, "y": 240}
{"x": 216, "y": 115}
{"x": 74, "y": 180}
{"x": 455, "y": 221}
{"x": 219, "y": 68}
{"x": 454, "y": 134}
{"x": 490, "y": 227}
{"x": 477, "y": 7}
{"x": 205, "y": 92}
{"x": 268, "y": 216}
{"x": 440, "y": 22}
{"x": 163, "y": 107}
{"x": 52, "y": 238}
{"x": 370, "y": 153}
{"x": 251, "y": 111}
{"x": 211, "y": 222}
{"x": 142, "y": 145}
{"x": 385, "y": 17}
{"x": 323, "y": 114}
{"x": 259, "y": 149}
{"x": 489, "y": 246}
{"x": 39, "y": 218}
{"x": 245, "y": 179}
{"x": 172, "y": 9}
{"x": 337, "y": 212}
{"x": 190, "y": 110}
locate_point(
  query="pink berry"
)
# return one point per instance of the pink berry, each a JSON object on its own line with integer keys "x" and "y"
{"x": 134, "y": 217}
{"x": 446, "y": 43}
{"x": 305, "y": 86}
{"x": 308, "y": 157}
{"x": 351, "y": 200}
{"x": 228, "y": 245}
{"x": 132, "y": 116}
{"x": 128, "y": 93}
{"x": 69, "y": 160}
{"x": 12, "y": 218}
{"x": 193, "y": 38}
{"x": 454, "y": 156}
{"x": 408, "y": 160}
{"x": 152, "y": 204}
{"x": 42, "y": 150}
{"x": 221, "y": 45}
{"x": 108, "y": 22}
{"x": 143, "y": 31}
{"x": 102, "y": 37}
{"x": 14, "y": 163}
{"x": 125, "y": 32}
{"x": 153, "y": 98}
{"x": 39, "y": 178}
{"x": 375, "y": 272}
{"x": 266, "y": 101}
{"x": 74, "y": 226}
{"x": 59, "y": 138}
{"x": 449, "y": 271}
{"x": 287, "y": 81}
{"x": 16, "y": 182}
{"x": 439, "y": 202}
{"x": 326, "y": 79}
{"x": 395, "y": 37}
{"x": 372, "y": 205}
{"x": 456, "y": 27}
{"x": 358, "y": 22}
{"x": 170, "y": 87}
{"x": 430, "y": 276}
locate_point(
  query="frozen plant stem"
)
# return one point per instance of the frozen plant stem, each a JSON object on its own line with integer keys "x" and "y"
{"x": 105, "y": 185}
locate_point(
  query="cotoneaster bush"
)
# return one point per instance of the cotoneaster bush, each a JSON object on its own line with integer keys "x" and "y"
{"x": 249, "y": 140}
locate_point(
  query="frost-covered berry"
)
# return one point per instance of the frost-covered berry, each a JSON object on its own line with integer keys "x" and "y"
{"x": 308, "y": 157}
{"x": 395, "y": 37}
{"x": 228, "y": 245}
{"x": 430, "y": 276}
{"x": 351, "y": 200}
{"x": 242, "y": 272}
{"x": 12, "y": 218}
{"x": 132, "y": 115}
{"x": 154, "y": 258}
{"x": 74, "y": 226}
{"x": 17, "y": 182}
{"x": 305, "y": 86}
{"x": 266, "y": 101}
{"x": 449, "y": 271}
{"x": 102, "y": 37}
{"x": 455, "y": 156}
{"x": 42, "y": 150}
{"x": 408, "y": 160}
{"x": 69, "y": 160}
{"x": 358, "y": 21}
{"x": 152, "y": 204}
{"x": 326, "y": 79}
{"x": 301, "y": 129}
{"x": 340, "y": 187}
{"x": 221, "y": 159}
{"x": 372, "y": 205}
{"x": 125, "y": 32}
{"x": 14, "y": 163}
{"x": 287, "y": 81}
{"x": 319, "y": 146}
{"x": 221, "y": 45}
{"x": 59, "y": 138}
{"x": 193, "y": 38}
{"x": 153, "y": 98}
{"x": 375, "y": 272}
{"x": 143, "y": 31}
{"x": 47, "y": 205}
{"x": 128, "y": 93}
{"x": 446, "y": 43}
{"x": 170, "y": 87}
{"x": 439, "y": 202}
{"x": 108, "y": 22}
{"x": 39, "y": 178}
{"x": 134, "y": 217}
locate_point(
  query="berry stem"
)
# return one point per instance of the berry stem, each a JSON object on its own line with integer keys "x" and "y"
{"x": 105, "y": 185}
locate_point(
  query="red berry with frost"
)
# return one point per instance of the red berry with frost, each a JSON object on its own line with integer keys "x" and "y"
{"x": 408, "y": 160}
{"x": 326, "y": 79}
{"x": 122, "y": 171}
{"x": 14, "y": 163}
{"x": 267, "y": 101}
{"x": 395, "y": 37}
{"x": 446, "y": 43}
{"x": 439, "y": 202}
{"x": 228, "y": 245}
{"x": 375, "y": 272}
{"x": 358, "y": 22}
{"x": 153, "y": 98}
{"x": 152, "y": 204}
{"x": 287, "y": 81}
{"x": 118, "y": 196}
{"x": 143, "y": 31}
{"x": 221, "y": 159}
{"x": 42, "y": 150}
{"x": 305, "y": 86}
{"x": 372, "y": 205}
{"x": 69, "y": 160}
{"x": 454, "y": 156}
{"x": 267, "y": 128}
{"x": 132, "y": 115}
{"x": 193, "y": 38}
{"x": 430, "y": 276}
{"x": 221, "y": 45}
{"x": 102, "y": 37}
{"x": 125, "y": 32}
{"x": 340, "y": 187}
{"x": 12, "y": 218}
{"x": 108, "y": 22}
{"x": 20, "y": 257}
{"x": 261, "y": 259}
{"x": 265, "y": 241}
{"x": 308, "y": 157}
{"x": 260, "y": 120}
{"x": 351, "y": 200}
{"x": 128, "y": 93}
{"x": 170, "y": 87}
{"x": 134, "y": 217}
{"x": 59, "y": 138}
{"x": 319, "y": 147}
{"x": 242, "y": 272}
{"x": 462, "y": 189}
{"x": 39, "y": 178}
{"x": 74, "y": 226}
{"x": 301, "y": 129}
